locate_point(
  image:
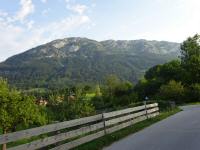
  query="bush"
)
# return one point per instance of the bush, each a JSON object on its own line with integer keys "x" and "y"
{"x": 72, "y": 109}
{"x": 195, "y": 92}
{"x": 98, "y": 102}
{"x": 173, "y": 91}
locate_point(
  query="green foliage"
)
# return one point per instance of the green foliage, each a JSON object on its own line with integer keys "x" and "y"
{"x": 148, "y": 87}
{"x": 17, "y": 109}
{"x": 171, "y": 71}
{"x": 115, "y": 94}
{"x": 173, "y": 91}
{"x": 111, "y": 83}
{"x": 165, "y": 72}
{"x": 190, "y": 59}
{"x": 157, "y": 76}
{"x": 99, "y": 102}
{"x": 98, "y": 91}
{"x": 72, "y": 109}
{"x": 195, "y": 92}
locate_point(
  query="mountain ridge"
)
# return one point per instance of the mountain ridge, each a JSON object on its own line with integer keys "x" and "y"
{"x": 103, "y": 41}
{"x": 78, "y": 60}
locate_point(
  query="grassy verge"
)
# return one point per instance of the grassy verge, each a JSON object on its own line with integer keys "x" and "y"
{"x": 99, "y": 143}
{"x": 192, "y": 103}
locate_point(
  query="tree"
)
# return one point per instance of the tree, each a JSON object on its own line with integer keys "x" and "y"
{"x": 166, "y": 72}
{"x": 157, "y": 76}
{"x": 190, "y": 59}
{"x": 16, "y": 109}
{"x": 123, "y": 88}
{"x": 148, "y": 87}
{"x": 153, "y": 72}
{"x": 171, "y": 71}
{"x": 78, "y": 108}
{"x": 97, "y": 91}
{"x": 173, "y": 91}
{"x": 111, "y": 82}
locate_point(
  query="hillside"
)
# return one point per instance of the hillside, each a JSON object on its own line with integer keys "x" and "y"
{"x": 80, "y": 60}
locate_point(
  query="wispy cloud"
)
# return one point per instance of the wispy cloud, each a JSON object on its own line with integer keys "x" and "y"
{"x": 78, "y": 8}
{"x": 3, "y": 14}
{"x": 61, "y": 27}
{"x": 22, "y": 33}
{"x": 27, "y": 8}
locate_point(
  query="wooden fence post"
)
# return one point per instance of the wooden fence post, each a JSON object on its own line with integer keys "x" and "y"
{"x": 145, "y": 105}
{"x": 104, "y": 123}
{"x": 4, "y": 146}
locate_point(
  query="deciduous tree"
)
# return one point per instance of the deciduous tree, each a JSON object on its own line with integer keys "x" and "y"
{"x": 16, "y": 109}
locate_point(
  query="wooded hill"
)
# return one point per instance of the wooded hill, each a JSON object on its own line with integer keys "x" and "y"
{"x": 80, "y": 60}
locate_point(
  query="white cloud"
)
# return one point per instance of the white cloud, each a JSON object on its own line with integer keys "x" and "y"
{"x": 61, "y": 28}
{"x": 18, "y": 38}
{"x": 78, "y": 8}
{"x": 19, "y": 33}
{"x": 27, "y": 8}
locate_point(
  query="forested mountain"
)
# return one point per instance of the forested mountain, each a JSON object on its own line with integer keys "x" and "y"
{"x": 70, "y": 61}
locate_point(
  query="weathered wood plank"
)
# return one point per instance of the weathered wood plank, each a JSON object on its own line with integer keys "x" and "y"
{"x": 124, "y": 118}
{"x": 129, "y": 123}
{"x": 126, "y": 124}
{"x": 153, "y": 115}
{"x": 152, "y": 105}
{"x": 152, "y": 110}
{"x": 124, "y": 111}
{"x": 80, "y": 141}
{"x": 57, "y": 138}
{"x": 46, "y": 129}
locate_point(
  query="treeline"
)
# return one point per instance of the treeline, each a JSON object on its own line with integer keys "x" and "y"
{"x": 178, "y": 80}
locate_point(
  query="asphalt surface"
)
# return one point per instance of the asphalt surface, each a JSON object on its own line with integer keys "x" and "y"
{"x": 178, "y": 132}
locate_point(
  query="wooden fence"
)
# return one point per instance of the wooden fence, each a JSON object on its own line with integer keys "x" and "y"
{"x": 70, "y": 134}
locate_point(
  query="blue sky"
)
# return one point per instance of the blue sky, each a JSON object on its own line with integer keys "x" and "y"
{"x": 27, "y": 23}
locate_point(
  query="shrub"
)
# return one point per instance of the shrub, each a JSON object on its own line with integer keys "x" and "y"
{"x": 173, "y": 91}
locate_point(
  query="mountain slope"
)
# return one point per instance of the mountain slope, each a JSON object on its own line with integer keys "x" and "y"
{"x": 79, "y": 60}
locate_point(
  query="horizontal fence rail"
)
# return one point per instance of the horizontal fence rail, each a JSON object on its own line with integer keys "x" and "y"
{"x": 70, "y": 134}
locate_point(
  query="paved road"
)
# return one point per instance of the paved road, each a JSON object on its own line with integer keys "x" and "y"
{"x": 178, "y": 132}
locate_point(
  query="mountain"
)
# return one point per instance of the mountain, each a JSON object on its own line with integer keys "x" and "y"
{"x": 80, "y": 60}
